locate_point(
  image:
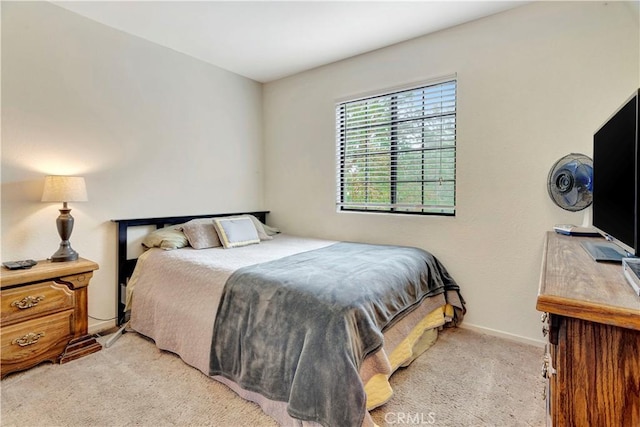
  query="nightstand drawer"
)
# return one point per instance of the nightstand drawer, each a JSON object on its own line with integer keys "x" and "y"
{"x": 29, "y": 343}
{"x": 33, "y": 300}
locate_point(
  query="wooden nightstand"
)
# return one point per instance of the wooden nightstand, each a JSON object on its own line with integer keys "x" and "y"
{"x": 44, "y": 314}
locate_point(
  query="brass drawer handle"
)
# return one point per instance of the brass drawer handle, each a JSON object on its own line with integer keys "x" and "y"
{"x": 27, "y": 302}
{"x": 547, "y": 366}
{"x": 545, "y": 369}
{"x": 545, "y": 330}
{"x": 29, "y": 339}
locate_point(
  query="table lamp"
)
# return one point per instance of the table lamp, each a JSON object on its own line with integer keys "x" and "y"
{"x": 64, "y": 189}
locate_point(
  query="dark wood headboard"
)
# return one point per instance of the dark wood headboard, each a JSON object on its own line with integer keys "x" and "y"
{"x": 126, "y": 266}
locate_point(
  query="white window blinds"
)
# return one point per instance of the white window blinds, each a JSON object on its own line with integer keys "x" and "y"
{"x": 397, "y": 152}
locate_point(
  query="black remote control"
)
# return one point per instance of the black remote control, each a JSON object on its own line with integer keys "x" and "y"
{"x": 19, "y": 265}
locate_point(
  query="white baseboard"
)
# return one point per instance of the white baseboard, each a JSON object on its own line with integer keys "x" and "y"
{"x": 501, "y": 334}
{"x": 101, "y": 326}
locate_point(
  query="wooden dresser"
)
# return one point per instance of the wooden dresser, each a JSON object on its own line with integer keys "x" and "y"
{"x": 44, "y": 314}
{"x": 592, "y": 320}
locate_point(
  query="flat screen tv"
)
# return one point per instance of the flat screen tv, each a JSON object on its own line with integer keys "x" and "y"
{"x": 616, "y": 179}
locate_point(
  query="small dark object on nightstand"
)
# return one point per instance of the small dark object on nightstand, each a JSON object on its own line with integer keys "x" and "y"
{"x": 19, "y": 265}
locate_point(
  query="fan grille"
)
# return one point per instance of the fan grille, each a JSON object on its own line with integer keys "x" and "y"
{"x": 570, "y": 182}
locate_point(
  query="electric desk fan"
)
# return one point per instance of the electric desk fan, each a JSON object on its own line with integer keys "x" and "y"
{"x": 570, "y": 185}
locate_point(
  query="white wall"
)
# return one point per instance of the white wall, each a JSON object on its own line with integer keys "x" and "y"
{"x": 154, "y": 133}
{"x": 534, "y": 83}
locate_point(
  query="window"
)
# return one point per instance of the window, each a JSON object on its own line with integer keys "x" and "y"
{"x": 397, "y": 152}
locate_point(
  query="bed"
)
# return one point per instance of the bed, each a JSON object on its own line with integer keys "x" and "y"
{"x": 309, "y": 329}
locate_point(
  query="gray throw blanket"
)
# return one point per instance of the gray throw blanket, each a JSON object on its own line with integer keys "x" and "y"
{"x": 298, "y": 328}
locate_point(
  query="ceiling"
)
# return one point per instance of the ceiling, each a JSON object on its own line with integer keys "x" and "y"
{"x": 268, "y": 40}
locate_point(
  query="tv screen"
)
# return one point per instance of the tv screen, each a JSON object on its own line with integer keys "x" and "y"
{"x": 615, "y": 177}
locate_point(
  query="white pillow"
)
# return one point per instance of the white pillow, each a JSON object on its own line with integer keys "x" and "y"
{"x": 261, "y": 228}
{"x": 167, "y": 238}
{"x": 235, "y": 232}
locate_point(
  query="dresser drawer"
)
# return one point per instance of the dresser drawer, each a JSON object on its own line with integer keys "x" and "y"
{"x": 34, "y": 300}
{"x": 33, "y": 341}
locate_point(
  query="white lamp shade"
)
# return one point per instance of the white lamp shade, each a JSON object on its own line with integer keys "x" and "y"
{"x": 64, "y": 189}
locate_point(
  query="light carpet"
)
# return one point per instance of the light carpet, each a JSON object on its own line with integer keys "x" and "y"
{"x": 465, "y": 379}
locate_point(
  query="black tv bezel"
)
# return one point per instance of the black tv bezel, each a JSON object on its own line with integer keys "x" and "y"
{"x": 632, "y": 251}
